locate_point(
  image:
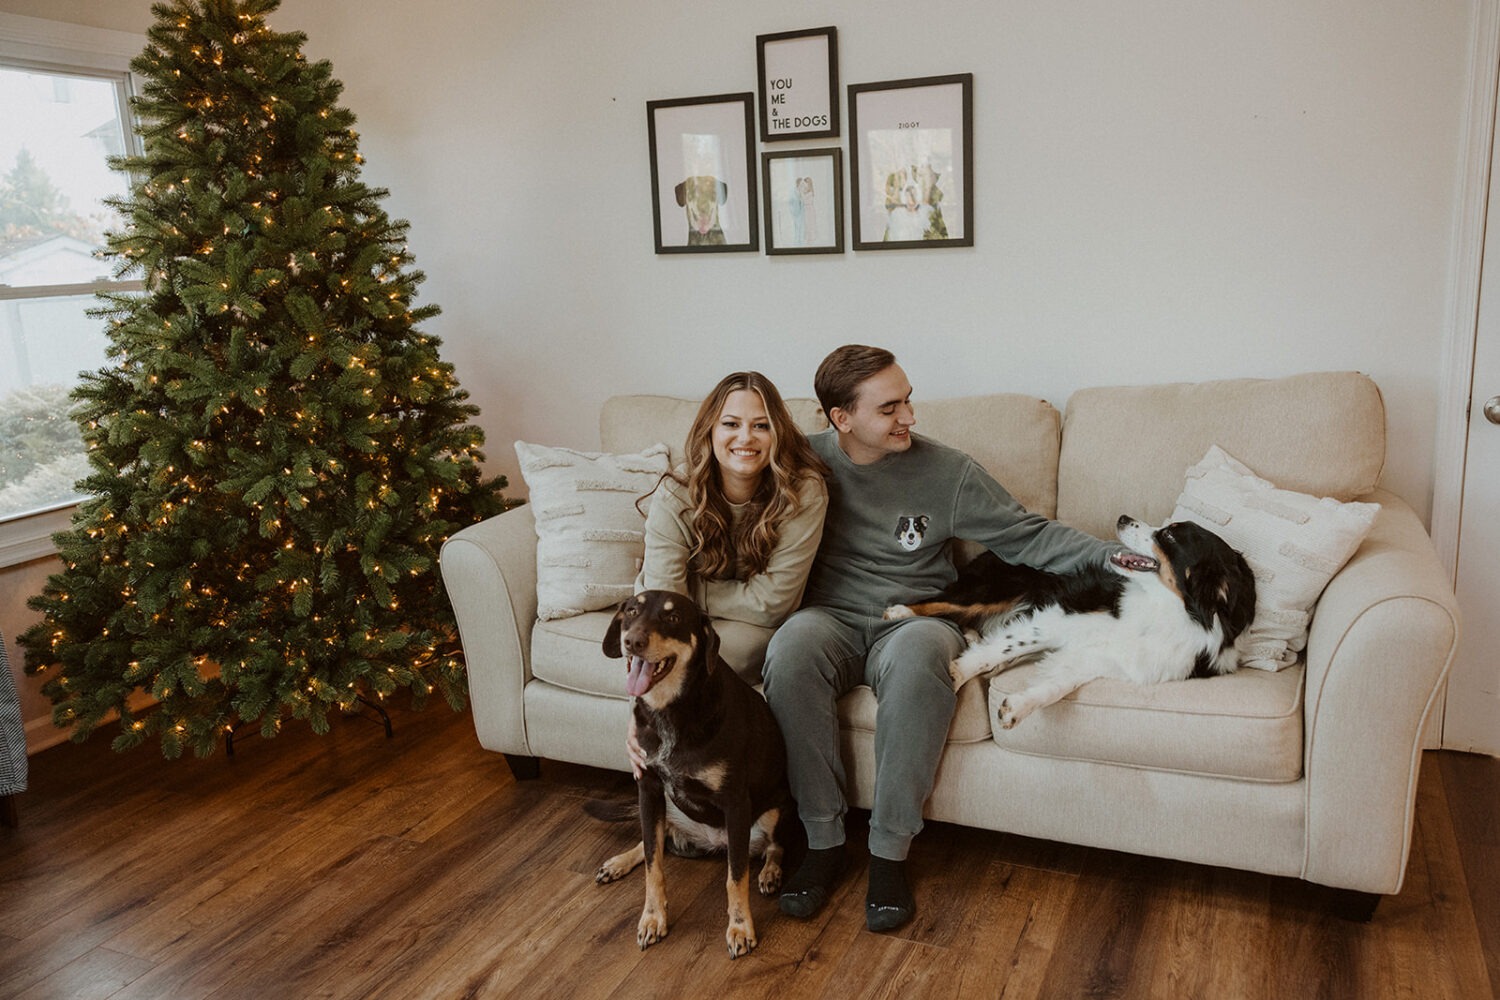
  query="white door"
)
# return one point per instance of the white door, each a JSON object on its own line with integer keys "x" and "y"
{"x": 1471, "y": 718}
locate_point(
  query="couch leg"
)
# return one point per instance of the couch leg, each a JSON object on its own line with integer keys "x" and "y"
{"x": 524, "y": 768}
{"x": 1355, "y": 907}
{"x": 8, "y": 816}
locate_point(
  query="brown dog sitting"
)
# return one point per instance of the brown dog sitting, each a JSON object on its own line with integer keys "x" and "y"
{"x": 715, "y": 762}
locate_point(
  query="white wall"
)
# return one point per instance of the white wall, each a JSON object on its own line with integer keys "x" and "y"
{"x": 1164, "y": 191}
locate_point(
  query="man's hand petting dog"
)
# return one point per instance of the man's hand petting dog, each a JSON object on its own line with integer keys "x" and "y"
{"x": 709, "y": 760}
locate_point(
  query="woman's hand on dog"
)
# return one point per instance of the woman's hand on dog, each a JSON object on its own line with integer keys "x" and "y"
{"x": 634, "y": 751}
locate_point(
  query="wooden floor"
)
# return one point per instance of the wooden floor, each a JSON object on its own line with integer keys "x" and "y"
{"x": 355, "y": 866}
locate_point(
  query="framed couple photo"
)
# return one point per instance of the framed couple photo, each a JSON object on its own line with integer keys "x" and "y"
{"x": 804, "y": 196}
{"x": 911, "y": 162}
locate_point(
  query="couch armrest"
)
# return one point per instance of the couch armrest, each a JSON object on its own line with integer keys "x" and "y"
{"x": 1382, "y": 639}
{"x": 489, "y": 570}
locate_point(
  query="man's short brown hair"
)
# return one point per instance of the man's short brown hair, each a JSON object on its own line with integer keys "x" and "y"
{"x": 841, "y": 374}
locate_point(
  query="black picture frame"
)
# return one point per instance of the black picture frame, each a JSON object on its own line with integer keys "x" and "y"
{"x": 911, "y": 163}
{"x": 794, "y": 67}
{"x": 803, "y": 194}
{"x": 703, "y": 177}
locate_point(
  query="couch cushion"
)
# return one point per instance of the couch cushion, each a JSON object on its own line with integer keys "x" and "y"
{"x": 568, "y": 652}
{"x": 970, "y": 723}
{"x": 1014, "y": 437}
{"x": 628, "y": 423}
{"x": 1124, "y": 450}
{"x": 1245, "y": 725}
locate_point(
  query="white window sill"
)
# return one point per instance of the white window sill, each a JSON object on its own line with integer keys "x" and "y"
{"x": 27, "y": 539}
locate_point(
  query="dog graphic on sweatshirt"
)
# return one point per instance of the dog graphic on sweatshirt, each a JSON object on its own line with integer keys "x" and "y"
{"x": 909, "y": 530}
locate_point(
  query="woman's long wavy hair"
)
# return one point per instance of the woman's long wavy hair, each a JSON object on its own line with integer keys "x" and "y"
{"x": 720, "y": 549}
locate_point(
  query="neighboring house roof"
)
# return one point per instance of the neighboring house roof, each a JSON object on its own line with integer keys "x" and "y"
{"x": 51, "y": 260}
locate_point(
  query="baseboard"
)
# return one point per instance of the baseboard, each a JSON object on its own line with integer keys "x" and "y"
{"x": 41, "y": 734}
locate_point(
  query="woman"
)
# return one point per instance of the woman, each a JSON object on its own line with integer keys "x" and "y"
{"x": 736, "y": 526}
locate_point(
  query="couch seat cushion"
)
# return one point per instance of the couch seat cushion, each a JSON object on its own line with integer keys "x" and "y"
{"x": 569, "y": 652}
{"x": 970, "y": 724}
{"x": 1245, "y": 725}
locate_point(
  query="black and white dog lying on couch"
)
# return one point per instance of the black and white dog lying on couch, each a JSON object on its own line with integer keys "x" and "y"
{"x": 1168, "y": 609}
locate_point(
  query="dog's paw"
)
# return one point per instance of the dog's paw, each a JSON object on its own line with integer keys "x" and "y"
{"x": 740, "y": 936}
{"x": 769, "y": 882}
{"x": 652, "y": 927}
{"x": 615, "y": 868}
{"x": 970, "y": 664}
{"x": 956, "y": 675}
{"x": 1010, "y": 712}
{"x": 898, "y": 611}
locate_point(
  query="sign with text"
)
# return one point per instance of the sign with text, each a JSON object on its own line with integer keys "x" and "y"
{"x": 798, "y": 84}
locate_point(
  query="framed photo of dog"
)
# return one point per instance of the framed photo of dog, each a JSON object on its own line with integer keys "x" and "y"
{"x": 911, "y": 162}
{"x": 799, "y": 84}
{"x": 804, "y": 197}
{"x": 703, "y": 174}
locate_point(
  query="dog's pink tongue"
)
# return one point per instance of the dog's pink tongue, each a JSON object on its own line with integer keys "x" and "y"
{"x": 637, "y": 677}
{"x": 1135, "y": 562}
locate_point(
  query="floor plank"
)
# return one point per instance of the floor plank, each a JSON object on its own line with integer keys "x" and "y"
{"x": 1471, "y": 782}
{"x": 95, "y": 975}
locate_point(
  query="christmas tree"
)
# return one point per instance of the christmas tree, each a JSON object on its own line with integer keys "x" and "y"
{"x": 277, "y": 451}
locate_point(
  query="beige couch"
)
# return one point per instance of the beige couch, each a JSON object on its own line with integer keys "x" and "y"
{"x": 1308, "y": 772}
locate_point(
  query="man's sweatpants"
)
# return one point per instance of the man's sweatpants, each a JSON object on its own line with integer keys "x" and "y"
{"x": 820, "y": 654}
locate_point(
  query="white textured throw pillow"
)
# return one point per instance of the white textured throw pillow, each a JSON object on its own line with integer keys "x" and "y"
{"x": 590, "y": 538}
{"x": 1293, "y": 542}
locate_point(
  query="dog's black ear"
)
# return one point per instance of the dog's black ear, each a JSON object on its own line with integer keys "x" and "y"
{"x": 612, "y": 634}
{"x": 1209, "y": 591}
{"x": 1239, "y": 581}
{"x": 921, "y": 522}
{"x": 723, "y": 191}
{"x": 710, "y": 640}
{"x": 681, "y": 192}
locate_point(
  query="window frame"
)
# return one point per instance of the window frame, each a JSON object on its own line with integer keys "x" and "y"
{"x": 57, "y": 46}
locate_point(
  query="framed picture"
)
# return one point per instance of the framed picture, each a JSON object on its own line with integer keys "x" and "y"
{"x": 911, "y": 162}
{"x": 799, "y": 84}
{"x": 703, "y": 174}
{"x": 804, "y": 192}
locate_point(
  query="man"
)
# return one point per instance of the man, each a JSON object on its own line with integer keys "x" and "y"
{"x": 895, "y": 499}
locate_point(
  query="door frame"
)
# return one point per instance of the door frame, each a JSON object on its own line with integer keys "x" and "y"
{"x": 1455, "y": 395}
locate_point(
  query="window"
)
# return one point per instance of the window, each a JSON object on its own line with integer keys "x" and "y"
{"x": 64, "y": 94}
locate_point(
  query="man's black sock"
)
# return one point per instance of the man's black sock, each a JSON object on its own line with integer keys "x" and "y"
{"x": 805, "y": 892}
{"x": 888, "y": 901}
